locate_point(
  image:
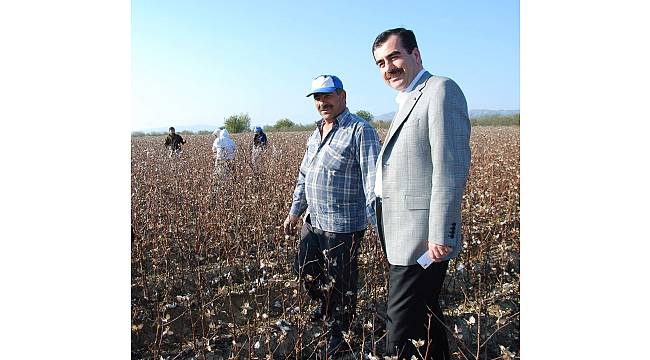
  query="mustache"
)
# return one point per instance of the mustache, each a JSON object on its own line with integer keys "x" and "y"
{"x": 392, "y": 72}
{"x": 325, "y": 107}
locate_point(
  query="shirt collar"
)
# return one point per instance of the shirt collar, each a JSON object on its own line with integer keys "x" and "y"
{"x": 342, "y": 119}
{"x": 402, "y": 95}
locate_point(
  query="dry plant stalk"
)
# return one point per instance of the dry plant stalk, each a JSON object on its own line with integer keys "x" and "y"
{"x": 212, "y": 272}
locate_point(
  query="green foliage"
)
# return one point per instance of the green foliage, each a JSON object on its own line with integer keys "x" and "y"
{"x": 238, "y": 123}
{"x": 137, "y": 133}
{"x": 496, "y": 120}
{"x": 365, "y": 115}
{"x": 294, "y": 127}
{"x": 284, "y": 123}
{"x": 287, "y": 125}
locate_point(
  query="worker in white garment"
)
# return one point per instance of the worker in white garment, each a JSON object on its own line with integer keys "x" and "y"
{"x": 223, "y": 148}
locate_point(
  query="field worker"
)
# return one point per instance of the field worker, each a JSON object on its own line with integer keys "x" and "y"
{"x": 259, "y": 140}
{"x": 173, "y": 142}
{"x": 335, "y": 191}
{"x": 421, "y": 174}
{"x": 259, "y": 145}
{"x": 223, "y": 149}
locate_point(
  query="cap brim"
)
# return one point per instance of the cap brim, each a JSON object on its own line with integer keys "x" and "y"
{"x": 326, "y": 90}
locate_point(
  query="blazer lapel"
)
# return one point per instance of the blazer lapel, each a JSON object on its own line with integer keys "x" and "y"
{"x": 406, "y": 110}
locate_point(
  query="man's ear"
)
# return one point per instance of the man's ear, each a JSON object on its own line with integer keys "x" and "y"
{"x": 418, "y": 58}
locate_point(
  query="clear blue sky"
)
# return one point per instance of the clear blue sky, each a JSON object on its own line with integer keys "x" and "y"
{"x": 197, "y": 62}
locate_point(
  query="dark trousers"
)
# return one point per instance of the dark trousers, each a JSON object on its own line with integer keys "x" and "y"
{"x": 414, "y": 312}
{"x": 327, "y": 264}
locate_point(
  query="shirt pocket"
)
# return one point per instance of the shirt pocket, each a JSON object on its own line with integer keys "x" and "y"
{"x": 336, "y": 158}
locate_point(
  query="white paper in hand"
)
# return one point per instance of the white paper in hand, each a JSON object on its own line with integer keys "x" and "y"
{"x": 425, "y": 260}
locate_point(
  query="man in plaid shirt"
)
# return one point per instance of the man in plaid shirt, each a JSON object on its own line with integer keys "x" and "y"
{"x": 335, "y": 188}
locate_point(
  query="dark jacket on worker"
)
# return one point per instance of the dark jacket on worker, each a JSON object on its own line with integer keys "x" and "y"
{"x": 174, "y": 140}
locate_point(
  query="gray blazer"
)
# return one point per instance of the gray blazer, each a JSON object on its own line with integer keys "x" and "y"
{"x": 425, "y": 159}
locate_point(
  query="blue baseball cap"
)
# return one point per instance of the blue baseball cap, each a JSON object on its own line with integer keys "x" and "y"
{"x": 258, "y": 129}
{"x": 325, "y": 84}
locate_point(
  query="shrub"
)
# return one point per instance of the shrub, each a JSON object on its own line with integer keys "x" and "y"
{"x": 365, "y": 115}
{"x": 238, "y": 123}
{"x": 284, "y": 123}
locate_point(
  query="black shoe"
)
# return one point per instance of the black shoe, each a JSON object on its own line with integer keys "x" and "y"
{"x": 317, "y": 314}
{"x": 336, "y": 345}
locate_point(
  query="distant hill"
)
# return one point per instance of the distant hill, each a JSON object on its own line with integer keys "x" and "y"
{"x": 192, "y": 128}
{"x": 479, "y": 113}
{"x": 386, "y": 117}
{"x": 473, "y": 114}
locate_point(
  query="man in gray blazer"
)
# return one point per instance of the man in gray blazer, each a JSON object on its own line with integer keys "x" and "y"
{"x": 421, "y": 174}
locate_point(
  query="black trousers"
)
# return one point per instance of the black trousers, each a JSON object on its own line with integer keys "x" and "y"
{"x": 414, "y": 312}
{"x": 327, "y": 264}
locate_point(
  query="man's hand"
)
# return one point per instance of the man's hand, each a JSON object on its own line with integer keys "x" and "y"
{"x": 438, "y": 252}
{"x": 290, "y": 224}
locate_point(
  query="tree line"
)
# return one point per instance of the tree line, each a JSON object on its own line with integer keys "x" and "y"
{"x": 241, "y": 122}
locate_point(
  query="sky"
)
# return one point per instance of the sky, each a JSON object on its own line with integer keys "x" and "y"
{"x": 198, "y": 62}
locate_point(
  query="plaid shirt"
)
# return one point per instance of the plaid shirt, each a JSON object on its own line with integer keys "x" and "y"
{"x": 337, "y": 176}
